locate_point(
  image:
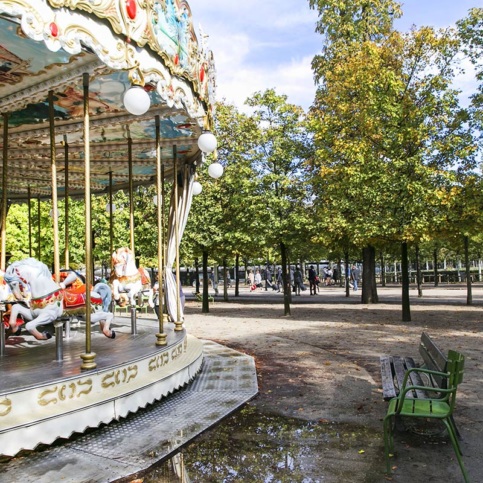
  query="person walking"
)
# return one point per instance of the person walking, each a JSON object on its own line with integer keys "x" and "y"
{"x": 312, "y": 280}
{"x": 354, "y": 277}
{"x": 298, "y": 280}
{"x": 279, "y": 280}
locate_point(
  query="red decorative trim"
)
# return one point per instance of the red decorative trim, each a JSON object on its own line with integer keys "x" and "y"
{"x": 42, "y": 302}
{"x": 131, "y": 9}
{"x": 54, "y": 29}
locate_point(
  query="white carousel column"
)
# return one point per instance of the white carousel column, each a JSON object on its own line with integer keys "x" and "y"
{"x": 88, "y": 358}
{"x": 161, "y": 337}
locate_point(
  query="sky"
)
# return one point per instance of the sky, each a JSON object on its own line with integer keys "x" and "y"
{"x": 259, "y": 45}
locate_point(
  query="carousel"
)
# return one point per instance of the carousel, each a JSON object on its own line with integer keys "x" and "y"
{"x": 96, "y": 96}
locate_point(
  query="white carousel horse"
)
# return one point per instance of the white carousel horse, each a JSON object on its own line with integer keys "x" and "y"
{"x": 48, "y": 300}
{"x": 127, "y": 278}
{"x": 7, "y": 298}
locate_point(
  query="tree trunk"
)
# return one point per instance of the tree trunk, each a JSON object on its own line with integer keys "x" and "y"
{"x": 197, "y": 274}
{"x": 369, "y": 287}
{"x": 469, "y": 292}
{"x": 205, "y": 308}
{"x": 287, "y": 288}
{"x": 435, "y": 267}
{"x": 346, "y": 263}
{"x": 418, "y": 273}
{"x": 406, "y": 308}
{"x": 225, "y": 282}
{"x": 383, "y": 270}
{"x": 237, "y": 275}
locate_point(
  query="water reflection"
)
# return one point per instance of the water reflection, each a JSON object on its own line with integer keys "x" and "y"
{"x": 254, "y": 447}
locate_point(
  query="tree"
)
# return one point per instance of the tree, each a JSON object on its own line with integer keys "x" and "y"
{"x": 281, "y": 167}
{"x": 387, "y": 124}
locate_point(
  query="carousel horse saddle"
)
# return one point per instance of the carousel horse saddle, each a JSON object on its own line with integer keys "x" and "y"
{"x": 75, "y": 300}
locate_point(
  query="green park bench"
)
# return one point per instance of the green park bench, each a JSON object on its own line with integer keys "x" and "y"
{"x": 426, "y": 391}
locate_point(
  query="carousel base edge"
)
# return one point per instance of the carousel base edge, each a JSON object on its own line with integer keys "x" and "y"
{"x": 36, "y": 416}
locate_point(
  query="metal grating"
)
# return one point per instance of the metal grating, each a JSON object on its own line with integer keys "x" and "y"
{"x": 226, "y": 381}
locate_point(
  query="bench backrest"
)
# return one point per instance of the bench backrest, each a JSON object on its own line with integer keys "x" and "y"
{"x": 433, "y": 358}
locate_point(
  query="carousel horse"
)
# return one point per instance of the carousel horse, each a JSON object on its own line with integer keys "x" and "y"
{"x": 127, "y": 279}
{"x": 7, "y": 299}
{"x": 49, "y": 301}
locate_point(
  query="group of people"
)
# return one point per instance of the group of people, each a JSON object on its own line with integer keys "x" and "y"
{"x": 330, "y": 277}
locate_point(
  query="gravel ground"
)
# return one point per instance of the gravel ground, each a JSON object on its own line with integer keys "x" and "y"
{"x": 321, "y": 364}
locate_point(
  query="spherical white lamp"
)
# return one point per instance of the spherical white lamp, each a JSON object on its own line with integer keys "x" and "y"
{"x": 215, "y": 170}
{"x": 197, "y": 188}
{"x": 207, "y": 142}
{"x": 155, "y": 199}
{"x": 136, "y": 100}
{"x": 51, "y": 213}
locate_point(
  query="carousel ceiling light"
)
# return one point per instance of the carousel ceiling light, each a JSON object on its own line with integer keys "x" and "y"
{"x": 197, "y": 188}
{"x": 136, "y": 100}
{"x": 215, "y": 170}
{"x": 207, "y": 142}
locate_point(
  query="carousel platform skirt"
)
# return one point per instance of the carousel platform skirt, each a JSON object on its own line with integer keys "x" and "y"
{"x": 42, "y": 399}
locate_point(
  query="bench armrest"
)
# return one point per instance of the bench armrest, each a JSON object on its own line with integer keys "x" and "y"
{"x": 405, "y": 388}
{"x": 423, "y": 371}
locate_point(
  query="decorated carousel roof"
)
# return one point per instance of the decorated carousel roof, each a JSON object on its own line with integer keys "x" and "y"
{"x": 51, "y": 46}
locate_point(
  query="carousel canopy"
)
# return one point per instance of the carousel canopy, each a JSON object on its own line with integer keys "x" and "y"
{"x": 50, "y": 49}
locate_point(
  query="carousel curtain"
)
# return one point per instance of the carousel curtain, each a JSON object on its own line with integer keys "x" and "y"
{"x": 185, "y": 196}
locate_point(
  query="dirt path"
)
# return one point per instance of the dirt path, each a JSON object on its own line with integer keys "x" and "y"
{"x": 322, "y": 364}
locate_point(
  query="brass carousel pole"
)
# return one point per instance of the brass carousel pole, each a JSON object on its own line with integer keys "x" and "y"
{"x": 38, "y": 229}
{"x": 111, "y": 220}
{"x": 29, "y": 199}
{"x": 53, "y": 167}
{"x": 3, "y": 260}
{"x": 66, "y": 207}
{"x": 3, "y": 256}
{"x": 178, "y": 324}
{"x": 134, "y": 330}
{"x": 88, "y": 359}
{"x": 131, "y": 196}
{"x": 163, "y": 231}
{"x": 161, "y": 337}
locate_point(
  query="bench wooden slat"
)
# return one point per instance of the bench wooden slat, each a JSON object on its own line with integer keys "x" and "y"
{"x": 399, "y": 371}
{"x": 433, "y": 359}
{"x": 388, "y": 389}
{"x": 415, "y": 378}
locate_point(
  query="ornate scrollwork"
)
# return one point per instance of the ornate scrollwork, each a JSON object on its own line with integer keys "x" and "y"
{"x": 63, "y": 392}
{"x": 5, "y": 406}
{"x": 120, "y": 376}
{"x": 158, "y": 361}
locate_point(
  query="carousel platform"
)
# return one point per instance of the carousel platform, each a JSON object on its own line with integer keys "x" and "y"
{"x": 184, "y": 388}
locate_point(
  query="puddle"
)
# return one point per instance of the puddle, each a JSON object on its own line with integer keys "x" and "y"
{"x": 254, "y": 447}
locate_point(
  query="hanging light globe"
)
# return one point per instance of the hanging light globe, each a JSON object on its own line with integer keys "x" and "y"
{"x": 136, "y": 100}
{"x": 215, "y": 170}
{"x": 207, "y": 142}
{"x": 155, "y": 199}
{"x": 197, "y": 188}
